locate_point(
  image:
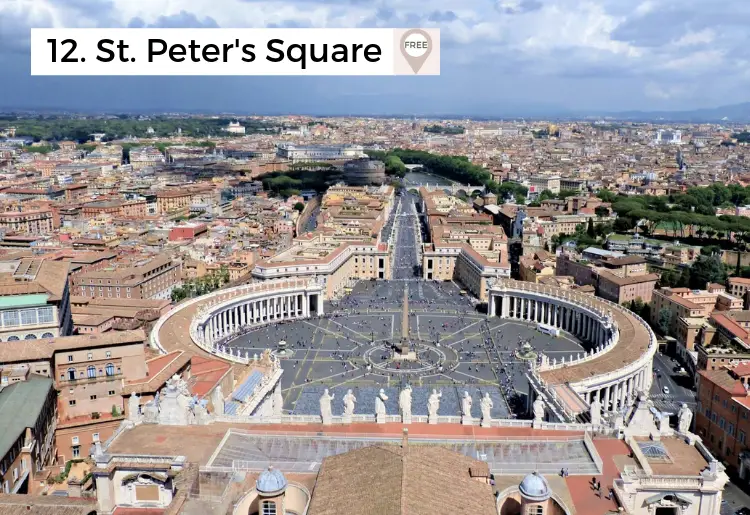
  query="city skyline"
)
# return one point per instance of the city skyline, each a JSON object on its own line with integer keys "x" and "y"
{"x": 508, "y": 58}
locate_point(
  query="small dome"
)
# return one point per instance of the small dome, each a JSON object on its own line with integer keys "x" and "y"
{"x": 535, "y": 488}
{"x": 270, "y": 482}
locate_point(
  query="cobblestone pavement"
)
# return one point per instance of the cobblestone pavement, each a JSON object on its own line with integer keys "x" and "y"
{"x": 458, "y": 350}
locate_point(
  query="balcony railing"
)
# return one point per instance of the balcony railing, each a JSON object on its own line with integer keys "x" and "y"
{"x": 95, "y": 379}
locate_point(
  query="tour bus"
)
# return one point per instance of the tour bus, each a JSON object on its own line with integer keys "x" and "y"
{"x": 548, "y": 329}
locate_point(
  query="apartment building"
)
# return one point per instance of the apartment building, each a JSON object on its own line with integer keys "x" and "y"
{"x": 28, "y": 418}
{"x": 623, "y": 290}
{"x": 173, "y": 201}
{"x": 305, "y": 153}
{"x": 722, "y": 417}
{"x": 38, "y": 221}
{"x": 738, "y": 286}
{"x": 687, "y": 303}
{"x": 34, "y": 300}
{"x": 142, "y": 157}
{"x": 116, "y": 208}
{"x": 90, "y": 373}
{"x": 154, "y": 278}
{"x": 535, "y": 267}
{"x": 615, "y": 277}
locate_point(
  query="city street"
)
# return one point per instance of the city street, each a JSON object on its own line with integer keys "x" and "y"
{"x": 679, "y": 386}
{"x": 406, "y": 255}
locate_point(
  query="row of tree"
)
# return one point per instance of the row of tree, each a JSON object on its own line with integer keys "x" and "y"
{"x": 201, "y": 285}
{"x": 441, "y": 129}
{"x": 60, "y": 128}
{"x": 457, "y": 168}
{"x": 692, "y": 213}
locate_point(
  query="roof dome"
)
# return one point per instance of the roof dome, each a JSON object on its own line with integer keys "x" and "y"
{"x": 270, "y": 482}
{"x": 535, "y": 488}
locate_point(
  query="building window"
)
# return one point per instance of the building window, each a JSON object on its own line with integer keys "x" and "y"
{"x": 28, "y": 317}
{"x": 30, "y": 337}
{"x": 76, "y": 451}
{"x": 48, "y": 335}
{"x": 95, "y": 437}
{"x": 13, "y": 338}
{"x": 111, "y": 393}
{"x": 90, "y": 355}
{"x": 91, "y": 371}
{"x": 741, "y": 436}
{"x": 110, "y": 369}
{"x": 75, "y": 440}
{"x": 93, "y": 397}
{"x": 269, "y": 508}
{"x": 10, "y": 318}
{"x": 109, "y": 354}
{"x": 70, "y": 358}
{"x": 72, "y": 402}
{"x": 71, "y": 374}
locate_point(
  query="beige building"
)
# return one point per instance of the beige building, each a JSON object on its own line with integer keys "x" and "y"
{"x": 537, "y": 266}
{"x": 689, "y": 310}
{"x": 336, "y": 265}
{"x": 28, "y": 417}
{"x": 153, "y": 279}
{"x": 28, "y": 222}
{"x": 626, "y": 289}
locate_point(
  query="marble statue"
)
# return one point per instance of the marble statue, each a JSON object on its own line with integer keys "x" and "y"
{"x": 349, "y": 401}
{"x": 217, "y": 400}
{"x": 486, "y": 405}
{"x": 380, "y": 405}
{"x": 466, "y": 403}
{"x": 325, "y": 406}
{"x": 174, "y": 403}
{"x": 538, "y": 408}
{"x": 596, "y": 411}
{"x": 404, "y": 403}
{"x": 684, "y": 417}
{"x": 433, "y": 405}
{"x": 200, "y": 413}
{"x": 278, "y": 401}
{"x": 151, "y": 413}
{"x": 134, "y": 408}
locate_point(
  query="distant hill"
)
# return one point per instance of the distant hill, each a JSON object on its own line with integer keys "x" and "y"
{"x": 733, "y": 113}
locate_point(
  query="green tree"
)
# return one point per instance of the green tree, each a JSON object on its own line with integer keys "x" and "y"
{"x": 607, "y": 196}
{"x": 601, "y": 211}
{"x": 299, "y": 206}
{"x": 590, "y": 232}
{"x": 624, "y": 224}
{"x": 665, "y": 320}
{"x": 707, "y": 269}
{"x": 545, "y": 195}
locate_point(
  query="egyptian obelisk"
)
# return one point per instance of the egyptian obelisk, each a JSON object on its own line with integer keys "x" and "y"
{"x": 404, "y": 347}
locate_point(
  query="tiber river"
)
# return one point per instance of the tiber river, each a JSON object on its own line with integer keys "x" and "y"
{"x": 426, "y": 178}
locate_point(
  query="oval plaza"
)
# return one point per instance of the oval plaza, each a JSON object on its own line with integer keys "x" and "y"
{"x": 528, "y": 399}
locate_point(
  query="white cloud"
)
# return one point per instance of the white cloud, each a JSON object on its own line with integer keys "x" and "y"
{"x": 647, "y": 42}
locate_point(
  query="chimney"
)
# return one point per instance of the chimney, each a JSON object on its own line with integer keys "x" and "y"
{"x": 405, "y": 440}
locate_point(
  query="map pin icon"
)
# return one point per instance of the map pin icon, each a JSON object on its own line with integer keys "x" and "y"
{"x": 416, "y": 45}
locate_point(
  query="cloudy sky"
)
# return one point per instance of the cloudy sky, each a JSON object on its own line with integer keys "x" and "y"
{"x": 499, "y": 57}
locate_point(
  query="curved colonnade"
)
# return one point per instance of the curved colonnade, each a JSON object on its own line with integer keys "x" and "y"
{"x": 215, "y": 318}
{"x": 618, "y": 363}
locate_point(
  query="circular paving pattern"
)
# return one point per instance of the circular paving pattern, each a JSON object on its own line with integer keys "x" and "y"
{"x": 428, "y": 359}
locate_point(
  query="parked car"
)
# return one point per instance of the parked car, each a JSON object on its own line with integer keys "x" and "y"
{"x": 665, "y": 390}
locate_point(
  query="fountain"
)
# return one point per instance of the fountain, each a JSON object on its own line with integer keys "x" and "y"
{"x": 525, "y": 351}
